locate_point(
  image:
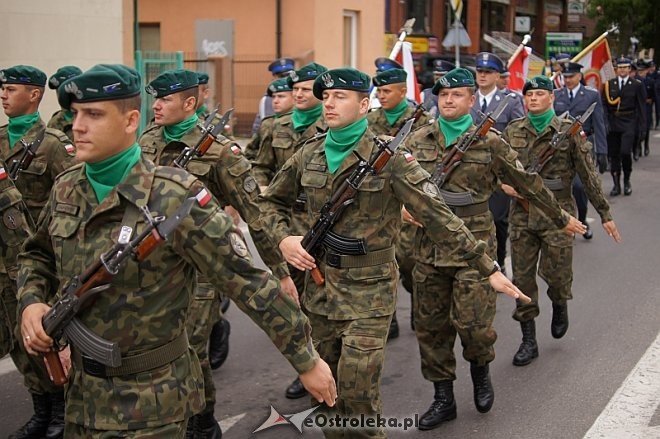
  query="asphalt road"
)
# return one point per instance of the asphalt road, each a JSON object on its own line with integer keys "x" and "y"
{"x": 614, "y": 320}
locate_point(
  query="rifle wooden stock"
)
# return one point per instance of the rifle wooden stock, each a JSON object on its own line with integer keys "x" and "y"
{"x": 55, "y": 369}
{"x": 148, "y": 245}
{"x": 317, "y": 276}
{"x": 205, "y": 145}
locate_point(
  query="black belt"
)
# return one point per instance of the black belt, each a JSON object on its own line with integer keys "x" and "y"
{"x": 470, "y": 210}
{"x": 624, "y": 113}
{"x": 371, "y": 259}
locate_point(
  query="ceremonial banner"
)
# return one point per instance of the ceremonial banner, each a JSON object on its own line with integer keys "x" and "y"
{"x": 518, "y": 70}
{"x": 597, "y": 64}
{"x": 406, "y": 60}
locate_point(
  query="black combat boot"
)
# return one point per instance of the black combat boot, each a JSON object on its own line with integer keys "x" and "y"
{"x": 56, "y": 426}
{"x": 207, "y": 427}
{"x": 559, "y": 324}
{"x": 443, "y": 407}
{"x": 296, "y": 390}
{"x": 616, "y": 190}
{"x": 484, "y": 395}
{"x": 394, "y": 328}
{"x": 627, "y": 187}
{"x": 191, "y": 427}
{"x": 37, "y": 425}
{"x": 219, "y": 343}
{"x": 528, "y": 349}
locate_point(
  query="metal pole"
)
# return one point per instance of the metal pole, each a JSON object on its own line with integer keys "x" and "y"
{"x": 278, "y": 29}
{"x": 457, "y": 41}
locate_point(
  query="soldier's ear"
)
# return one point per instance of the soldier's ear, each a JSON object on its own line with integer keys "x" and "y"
{"x": 190, "y": 103}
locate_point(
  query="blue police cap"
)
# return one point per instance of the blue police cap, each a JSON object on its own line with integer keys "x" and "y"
{"x": 442, "y": 66}
{"x": 489, "y": 61}
{"x": 622, "y": 61}
{"x": 383, "y": 64}
{"x": 563, "y": 57}
{"x": 281, "y": 65}
{"x": 571, "y": 68}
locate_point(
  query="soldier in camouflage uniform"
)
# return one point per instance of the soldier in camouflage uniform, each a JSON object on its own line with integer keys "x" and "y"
{"x": 350, "y": 314}
{"x": 22, "y": 91}
{"x": 533, "y": 233}
{"x": 146, "y": 306}
{"x": 281, "y": 94}
{"x": 290, "y": 133}
{"x": 393, "y": 112}
{"x": 62, "y": 119}
{"x": 226, "y": 172}
{"x": 450, "y": 296}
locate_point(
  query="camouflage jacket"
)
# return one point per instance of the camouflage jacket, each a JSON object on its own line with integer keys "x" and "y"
{"x": 485, "y": 163}
{"x": 571, "y": 157}
{"x": 54, "y": 155}
{"x": 226, "y": 172}
{"x": 374, "y": 216}
{"x": 378, "y": 122}
{"x": 147, "y": 302}
{"x": 263, "y": 135}
{"x": 285, "y": 142}
{"x": 15, "y": 227}
{"x": 59, "y": 122}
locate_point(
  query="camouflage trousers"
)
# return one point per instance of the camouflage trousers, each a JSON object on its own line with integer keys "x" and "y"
{"x": 552, "y": 251}
{"x": 354, "y": 350}
{"x": 32, "y": 367}
{"x": 203, "y": 313}
{"x": 447, "y": 301}
{"x": 171, "y": 431}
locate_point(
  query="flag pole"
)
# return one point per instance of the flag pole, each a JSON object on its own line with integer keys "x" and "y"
{"x": 405, "y": 30}
{"x": 519, "y": 49}
{"x": 589, "y": 48}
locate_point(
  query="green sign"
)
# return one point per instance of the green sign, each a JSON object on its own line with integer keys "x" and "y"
{"x": 562, "y": 42}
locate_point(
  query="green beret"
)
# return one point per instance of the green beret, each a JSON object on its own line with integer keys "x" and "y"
{"x": 103, "y": 82}
{"x": 306, "y": 73}
{"x": 202, "y": 78}
{"x": 26, "y": 75}
{"x": 172, "y": 81}
{"x": 62, "y": 74}
{"x": 278, "y": 85}
{"x": 456, "y": 78}
{"x": 341, "y": 79}
{"x": 391, "y": 76}
{"x": 538, "y": 83}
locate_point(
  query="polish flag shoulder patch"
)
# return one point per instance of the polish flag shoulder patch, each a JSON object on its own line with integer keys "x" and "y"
{"x": 236, "y": 149}
{"x": 203, "y": 197}
{"x": 3, "y": 173}
{"x": 70, "y": 149}
{"x": 409, "y": 157}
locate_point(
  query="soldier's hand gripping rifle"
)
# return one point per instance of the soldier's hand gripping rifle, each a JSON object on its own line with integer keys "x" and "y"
{"x": 81, "y": 291}
{"x": 346, "y": 193}
{"x": 543, "y": 157}
{"x": 209, "y": 135}
{"x": 454, "y": 158}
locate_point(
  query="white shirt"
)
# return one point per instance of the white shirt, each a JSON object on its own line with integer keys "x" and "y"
{"x": 574, "y": 90}
{"x": 488, "y": 97}
{"x": 622, "y": 81}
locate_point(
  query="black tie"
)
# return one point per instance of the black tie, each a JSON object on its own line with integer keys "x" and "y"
{"x": 483, "y": 106}
{"x": 570, "y": 95}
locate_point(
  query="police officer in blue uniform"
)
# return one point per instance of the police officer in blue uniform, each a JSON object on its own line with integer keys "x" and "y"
{"x": 279, "y": 68}
{"x": 624, "y": 104}
{"x": 488, "y": 98}
{"x": 575, "y": 99}
{"x": 440, "y": 69}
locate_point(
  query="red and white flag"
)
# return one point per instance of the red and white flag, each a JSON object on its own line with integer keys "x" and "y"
{"x": 519, "y": 69}
{"x": 203, "y": 197}
{"x": 597, "y": 65}
{"x": 404, "y": 57}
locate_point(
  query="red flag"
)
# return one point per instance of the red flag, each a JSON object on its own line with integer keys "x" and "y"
{"x": 597, "y": 65}
{"x": 518, "y": 70}
{"x": 404, "y": 57}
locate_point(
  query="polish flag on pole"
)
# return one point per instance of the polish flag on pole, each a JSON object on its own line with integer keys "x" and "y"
{"x": 597, "y": 65}
{"x": 518, "y": 70}
{"x": 404, "y": 57}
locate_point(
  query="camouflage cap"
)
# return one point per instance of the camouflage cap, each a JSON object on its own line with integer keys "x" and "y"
{"x": 25, "y": 75}
{"x": 306, "y": 73}
{"x": 391, "y": 76}
{"x": 342, "y": 79}
{"x": 456, "y": 78}
{"x": 202, "y": 78}
{"x": 103, "y": 82}
{"x": 172, "y": 81}
{"x": 538, "y": 83}
{"x": 61, "y": 75}
{"x": 278, "y": 85}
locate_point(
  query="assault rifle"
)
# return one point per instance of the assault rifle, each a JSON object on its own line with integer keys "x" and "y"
{"x": 346, "y": 193}
{"x": 548, "y": 151}
{"x": 29, "y": 152}
{"x": 81, "y": 291}
{"x": 209, "y": 135}
{"x": 454, "y": 158}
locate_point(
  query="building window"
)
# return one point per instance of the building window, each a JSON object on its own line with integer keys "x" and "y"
{"x": 350, "y": 38}
{"x": 150, "y": 37}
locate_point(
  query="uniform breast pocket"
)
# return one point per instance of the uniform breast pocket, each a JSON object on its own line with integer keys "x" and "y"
{"x": 199, "y": 169}
{"x": 371, "y": 200}
{"x": 314, "y": 186}
{"x": 63, "y": 231}
{"x": 478, "y": 161}
{"x": 39, "y": 185}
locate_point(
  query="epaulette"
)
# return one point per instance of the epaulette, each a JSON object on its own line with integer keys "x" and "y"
{"x": 495, "y": 131}
{"x": 176, "y": 175}
{"x": 590, "y": 88}
{"x": 152, "y": 126}
{"x": 520, "y": 119}
{"x": 58, "y": 134}
{"x": 316, "y": 137}
{"x": 69, "y": 170}
{"x": 268, "y": 117}
{"x": 422, "y": 126}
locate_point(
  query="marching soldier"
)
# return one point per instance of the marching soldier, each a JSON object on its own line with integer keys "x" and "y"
{"x": 280, "y": 68}
{"x": 643, "y": 69}
{"x": 575, "y": 99}
{"x": 533, "y": 234}
{"x": 145, "y": 308}
{"x": 450, "y": 296}
{"x": 62, "y": 119}
{"x": 351, "y": 312}
{"x": 625, "y": 112}
{"x": 22, "y": 92}
{"x": 226, "y": 172}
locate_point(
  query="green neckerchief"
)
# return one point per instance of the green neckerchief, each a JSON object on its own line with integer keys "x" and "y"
{"x": 201, "y": 111}
{"x": 68, "y": 115}
{"x": 453, "y": 129}
{"x": 108, "y": 173}
{"x": 541, "y": 121}
{"x": 340, "y": 142}
{"x": 19, "y": 126}
{"x": 304, "y": 118}
{"x": 395, "y": 113}
{"x": 176, "y": 131}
